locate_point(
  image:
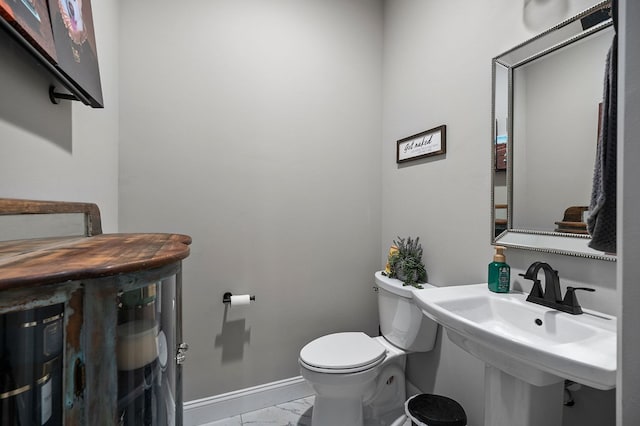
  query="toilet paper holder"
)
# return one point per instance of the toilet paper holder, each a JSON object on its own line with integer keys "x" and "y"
{"x": 226, "y": 298}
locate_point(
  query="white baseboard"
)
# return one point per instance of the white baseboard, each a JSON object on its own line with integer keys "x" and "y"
{"x": 207, "y": 410}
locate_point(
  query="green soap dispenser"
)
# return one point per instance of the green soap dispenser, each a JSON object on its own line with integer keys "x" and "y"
{"x": 499, "y": 272}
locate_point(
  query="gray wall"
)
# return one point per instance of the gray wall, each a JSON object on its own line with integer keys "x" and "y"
{"x": 437, "y": 70}
{"x": 60, "y": 152}
{"x": 255, "y": 127}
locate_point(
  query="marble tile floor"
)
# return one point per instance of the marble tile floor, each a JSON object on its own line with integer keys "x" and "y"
{"x": 294, "y": 413}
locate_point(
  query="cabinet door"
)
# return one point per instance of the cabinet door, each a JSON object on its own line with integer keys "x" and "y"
{"x": 146, "y": 354}
{"x": 32, "y": 346}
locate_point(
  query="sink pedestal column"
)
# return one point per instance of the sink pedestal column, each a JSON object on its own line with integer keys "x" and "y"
{"x": 510, "y": 401}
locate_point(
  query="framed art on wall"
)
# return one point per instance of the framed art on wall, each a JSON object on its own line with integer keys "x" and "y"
{"x": 425, "y": 144}
{"x": 72, "y": 24}
{"x": 60, "y": 35}
{"x": 31, "y": 19}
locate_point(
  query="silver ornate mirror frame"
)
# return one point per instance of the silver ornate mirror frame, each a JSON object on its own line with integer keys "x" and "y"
{"x": 550, "y": 41}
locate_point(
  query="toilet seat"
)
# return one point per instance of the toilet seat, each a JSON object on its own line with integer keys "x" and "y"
{"x": 342, "y": 353}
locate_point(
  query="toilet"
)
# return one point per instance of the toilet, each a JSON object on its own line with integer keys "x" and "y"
{"x": 359, "y": 380}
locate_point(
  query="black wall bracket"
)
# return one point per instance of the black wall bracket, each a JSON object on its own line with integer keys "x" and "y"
{"x": 56, "y": 96}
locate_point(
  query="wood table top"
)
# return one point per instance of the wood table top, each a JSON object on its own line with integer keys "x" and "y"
{"x": 41, "y": 261}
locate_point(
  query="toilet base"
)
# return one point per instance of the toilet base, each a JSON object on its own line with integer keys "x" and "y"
{"x": 337, "y": 412}
{"x": 332, "y": 412}
{"x": 394, "y": 418}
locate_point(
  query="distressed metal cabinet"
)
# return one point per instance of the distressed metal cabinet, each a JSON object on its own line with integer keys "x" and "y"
{"x": 90, "y": 324}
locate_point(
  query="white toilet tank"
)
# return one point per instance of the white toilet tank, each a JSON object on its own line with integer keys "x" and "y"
{"x": 402, "y": 323}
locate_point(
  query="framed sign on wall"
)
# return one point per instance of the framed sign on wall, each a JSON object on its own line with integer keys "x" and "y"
{"x": 425, "y": 144}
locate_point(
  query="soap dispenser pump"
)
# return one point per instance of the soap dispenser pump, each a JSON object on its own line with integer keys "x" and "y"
{"x": 499, "y": 272}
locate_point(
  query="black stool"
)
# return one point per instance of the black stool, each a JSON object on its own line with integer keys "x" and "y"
{"x": 434, "y": 410}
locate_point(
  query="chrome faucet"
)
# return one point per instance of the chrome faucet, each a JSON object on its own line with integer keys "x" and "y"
{"x": 552, "y": 295}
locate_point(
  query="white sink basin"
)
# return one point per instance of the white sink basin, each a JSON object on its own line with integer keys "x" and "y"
{"x": 538, "y": 345}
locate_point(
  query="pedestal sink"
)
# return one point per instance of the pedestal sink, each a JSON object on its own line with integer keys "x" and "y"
{"x": 528, "y": 349}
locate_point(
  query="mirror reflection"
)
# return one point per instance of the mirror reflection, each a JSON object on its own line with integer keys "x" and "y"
{"x": 547, "y": 93}
{"x": 555, "y": 131}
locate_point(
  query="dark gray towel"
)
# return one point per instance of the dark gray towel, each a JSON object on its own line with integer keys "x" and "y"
{"x": 601, "y": 222}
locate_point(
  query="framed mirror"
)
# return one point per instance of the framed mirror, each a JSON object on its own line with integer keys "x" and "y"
{"x": 545, "y": 122}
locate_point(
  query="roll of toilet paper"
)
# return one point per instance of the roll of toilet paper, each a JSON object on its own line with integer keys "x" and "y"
{"x": 240, "y": 300}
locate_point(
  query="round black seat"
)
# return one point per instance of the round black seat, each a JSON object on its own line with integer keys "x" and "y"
{"x": 435, "y": 410}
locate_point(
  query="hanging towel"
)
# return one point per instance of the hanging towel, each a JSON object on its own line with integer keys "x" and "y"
{"x": 601, "y": 222}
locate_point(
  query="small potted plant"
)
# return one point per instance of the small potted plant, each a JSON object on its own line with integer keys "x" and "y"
{"x": 405, "y": 262}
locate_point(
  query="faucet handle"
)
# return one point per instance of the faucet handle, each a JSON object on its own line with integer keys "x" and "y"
{"x": 570, "y": 300}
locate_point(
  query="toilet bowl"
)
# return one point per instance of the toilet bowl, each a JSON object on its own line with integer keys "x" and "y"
{"x": 359, "y": 380}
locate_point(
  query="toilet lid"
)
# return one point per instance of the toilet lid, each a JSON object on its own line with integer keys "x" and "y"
{"x": 343, "y": 351}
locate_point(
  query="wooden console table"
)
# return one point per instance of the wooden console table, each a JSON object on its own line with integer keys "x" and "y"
{"x": 97, "y": 316}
